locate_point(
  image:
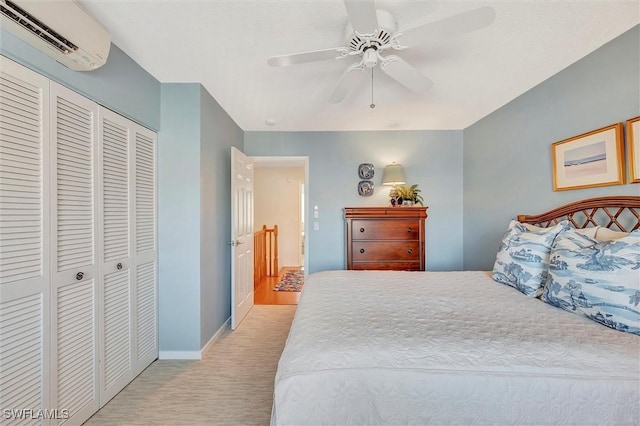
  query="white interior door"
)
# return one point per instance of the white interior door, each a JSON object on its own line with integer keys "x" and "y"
{"x": 75, "y": 278}
{"x": 24, "y": 239}
{"x": 241, "y": 236}
{"x": 115, "y": 303}
{"x": 144, "y": 249}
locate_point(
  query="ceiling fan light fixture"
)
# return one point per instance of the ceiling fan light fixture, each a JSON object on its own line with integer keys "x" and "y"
{"x": 370, "y": 58}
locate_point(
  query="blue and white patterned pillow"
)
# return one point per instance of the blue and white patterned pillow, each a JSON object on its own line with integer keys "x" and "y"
{"x": 523, "y": 257}
{"x": 600, "y": 280}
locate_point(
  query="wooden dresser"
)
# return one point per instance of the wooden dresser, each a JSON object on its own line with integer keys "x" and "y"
{"x": 390, "y": 238}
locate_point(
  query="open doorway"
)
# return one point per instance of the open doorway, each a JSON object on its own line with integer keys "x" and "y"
{"x": 280, "y": 206}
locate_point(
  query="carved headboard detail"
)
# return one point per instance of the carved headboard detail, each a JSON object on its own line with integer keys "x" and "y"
{"x": 619, "y": 213}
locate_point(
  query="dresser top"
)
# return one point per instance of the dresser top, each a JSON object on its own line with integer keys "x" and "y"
{"x": 385, "y": 212}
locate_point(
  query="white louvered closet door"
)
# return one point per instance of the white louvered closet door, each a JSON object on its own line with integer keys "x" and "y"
{"x": 116, "y": 369}
{"x": 24, "y": 241}
{"x": 75, "y": 278}
{"x": 144, "y": 249}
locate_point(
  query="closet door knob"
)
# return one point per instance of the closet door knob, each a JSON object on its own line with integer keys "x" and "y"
{"x": 361, "y": 250}
{"x": 79, "y": 276}
{"x": 361, "y": 229}
{"x": 119, "y": 266}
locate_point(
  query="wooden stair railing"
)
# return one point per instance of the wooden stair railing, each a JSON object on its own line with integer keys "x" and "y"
{"x": 265, "y": 257}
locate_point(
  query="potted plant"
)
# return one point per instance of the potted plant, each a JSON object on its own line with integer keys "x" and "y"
{"x": 406, "y": 195}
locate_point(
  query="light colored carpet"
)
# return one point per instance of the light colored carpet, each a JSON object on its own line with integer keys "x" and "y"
{"x": 231, "y": 385}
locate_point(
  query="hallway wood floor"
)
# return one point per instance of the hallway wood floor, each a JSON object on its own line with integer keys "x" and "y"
{"x": 264, "y": 294}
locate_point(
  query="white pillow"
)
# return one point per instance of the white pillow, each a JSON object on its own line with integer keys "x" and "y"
{"x": 589, "y": 232}
{"x": 522, "y": 260}
{"x": 606, "y": 234}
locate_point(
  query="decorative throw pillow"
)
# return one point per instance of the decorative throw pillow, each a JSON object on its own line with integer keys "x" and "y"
{"x": 523, "y": 257}
{"x": 597, "y": 279}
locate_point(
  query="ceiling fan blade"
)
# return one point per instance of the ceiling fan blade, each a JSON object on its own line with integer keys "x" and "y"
{"x": 405, "y": 74}
{"x": 311, "y": 56}
{"x": 347, "y": 80}
{"x": 457, "y": 24}
{"x": 362, "y": 15}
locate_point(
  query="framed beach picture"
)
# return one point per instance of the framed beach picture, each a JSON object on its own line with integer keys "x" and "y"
{"x": 633, "y": 147}
{"x": 589, "y": 160}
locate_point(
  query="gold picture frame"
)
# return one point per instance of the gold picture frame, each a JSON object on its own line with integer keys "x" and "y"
{"x": 633, "y": 148}
{"x": 592, "y": 159}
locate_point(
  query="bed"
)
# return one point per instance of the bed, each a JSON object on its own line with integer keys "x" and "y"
{"x": 390, "y": 347}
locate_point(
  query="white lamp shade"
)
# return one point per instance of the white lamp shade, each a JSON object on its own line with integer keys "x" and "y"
{"x": 393, "y": 175}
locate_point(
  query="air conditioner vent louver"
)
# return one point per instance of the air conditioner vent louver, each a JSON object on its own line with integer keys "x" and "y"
{"x": 29, "y": 22}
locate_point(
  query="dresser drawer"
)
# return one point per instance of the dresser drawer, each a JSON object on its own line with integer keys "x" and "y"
{"x": 387, "y": 266}
{"x": 386, "y": 250}
{"x": 385, "y": 229}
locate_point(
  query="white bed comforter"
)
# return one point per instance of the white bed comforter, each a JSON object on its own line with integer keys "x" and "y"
{"x": 386, "y": 347}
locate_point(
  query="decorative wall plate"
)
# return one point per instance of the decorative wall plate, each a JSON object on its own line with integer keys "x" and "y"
{"x": 365, "y": 188}
{"x": 365, "y": 171}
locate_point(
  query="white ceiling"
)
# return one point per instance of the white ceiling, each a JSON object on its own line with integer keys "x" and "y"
{"x": 224, "y": 45}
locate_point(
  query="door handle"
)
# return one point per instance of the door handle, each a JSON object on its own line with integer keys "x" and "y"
{"x": 235, "y": 243}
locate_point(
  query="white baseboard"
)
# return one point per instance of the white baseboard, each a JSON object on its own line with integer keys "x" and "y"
{"x": 179, "y": 355}
{"x": 195, "y": 354}
{"x": 215, "y": 337}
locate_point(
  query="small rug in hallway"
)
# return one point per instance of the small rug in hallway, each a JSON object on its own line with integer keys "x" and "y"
{"x": 290, "y": 281}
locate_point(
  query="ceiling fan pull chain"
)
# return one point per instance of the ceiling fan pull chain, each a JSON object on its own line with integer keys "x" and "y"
{"x": 372, "y": 106}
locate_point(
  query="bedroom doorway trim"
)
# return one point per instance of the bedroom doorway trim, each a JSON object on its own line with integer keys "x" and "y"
{"x": 293, "y": 161}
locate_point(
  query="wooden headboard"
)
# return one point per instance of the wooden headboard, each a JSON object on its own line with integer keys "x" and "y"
{"x": 619, "y": 213}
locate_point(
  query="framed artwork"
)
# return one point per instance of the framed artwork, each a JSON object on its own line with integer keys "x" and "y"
{"x": 633, "y": 148}
{"x": 589, "y": 160}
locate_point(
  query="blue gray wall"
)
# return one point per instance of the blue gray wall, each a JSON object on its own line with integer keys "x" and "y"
{"x": 507, "y": 155}
{"x": 194, "y": 218}
{"x": 432, "y": 159}
{"x": 179, "y": 218}
{"x": 120, "y": 85}
{"x": 218, "y": 133}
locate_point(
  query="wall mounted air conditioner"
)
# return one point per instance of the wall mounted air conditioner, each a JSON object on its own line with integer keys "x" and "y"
{"x": 62, "y": 29}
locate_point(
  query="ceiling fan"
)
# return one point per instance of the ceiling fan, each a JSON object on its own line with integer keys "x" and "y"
{"x": 371, "y": 33}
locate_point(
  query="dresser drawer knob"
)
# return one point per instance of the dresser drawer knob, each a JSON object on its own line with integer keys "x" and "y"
{"x": 361, "y": 250}
{"x": 409, "y": 229}
{"x": 361, "y": 229}
{"x": 410, "y": 251}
